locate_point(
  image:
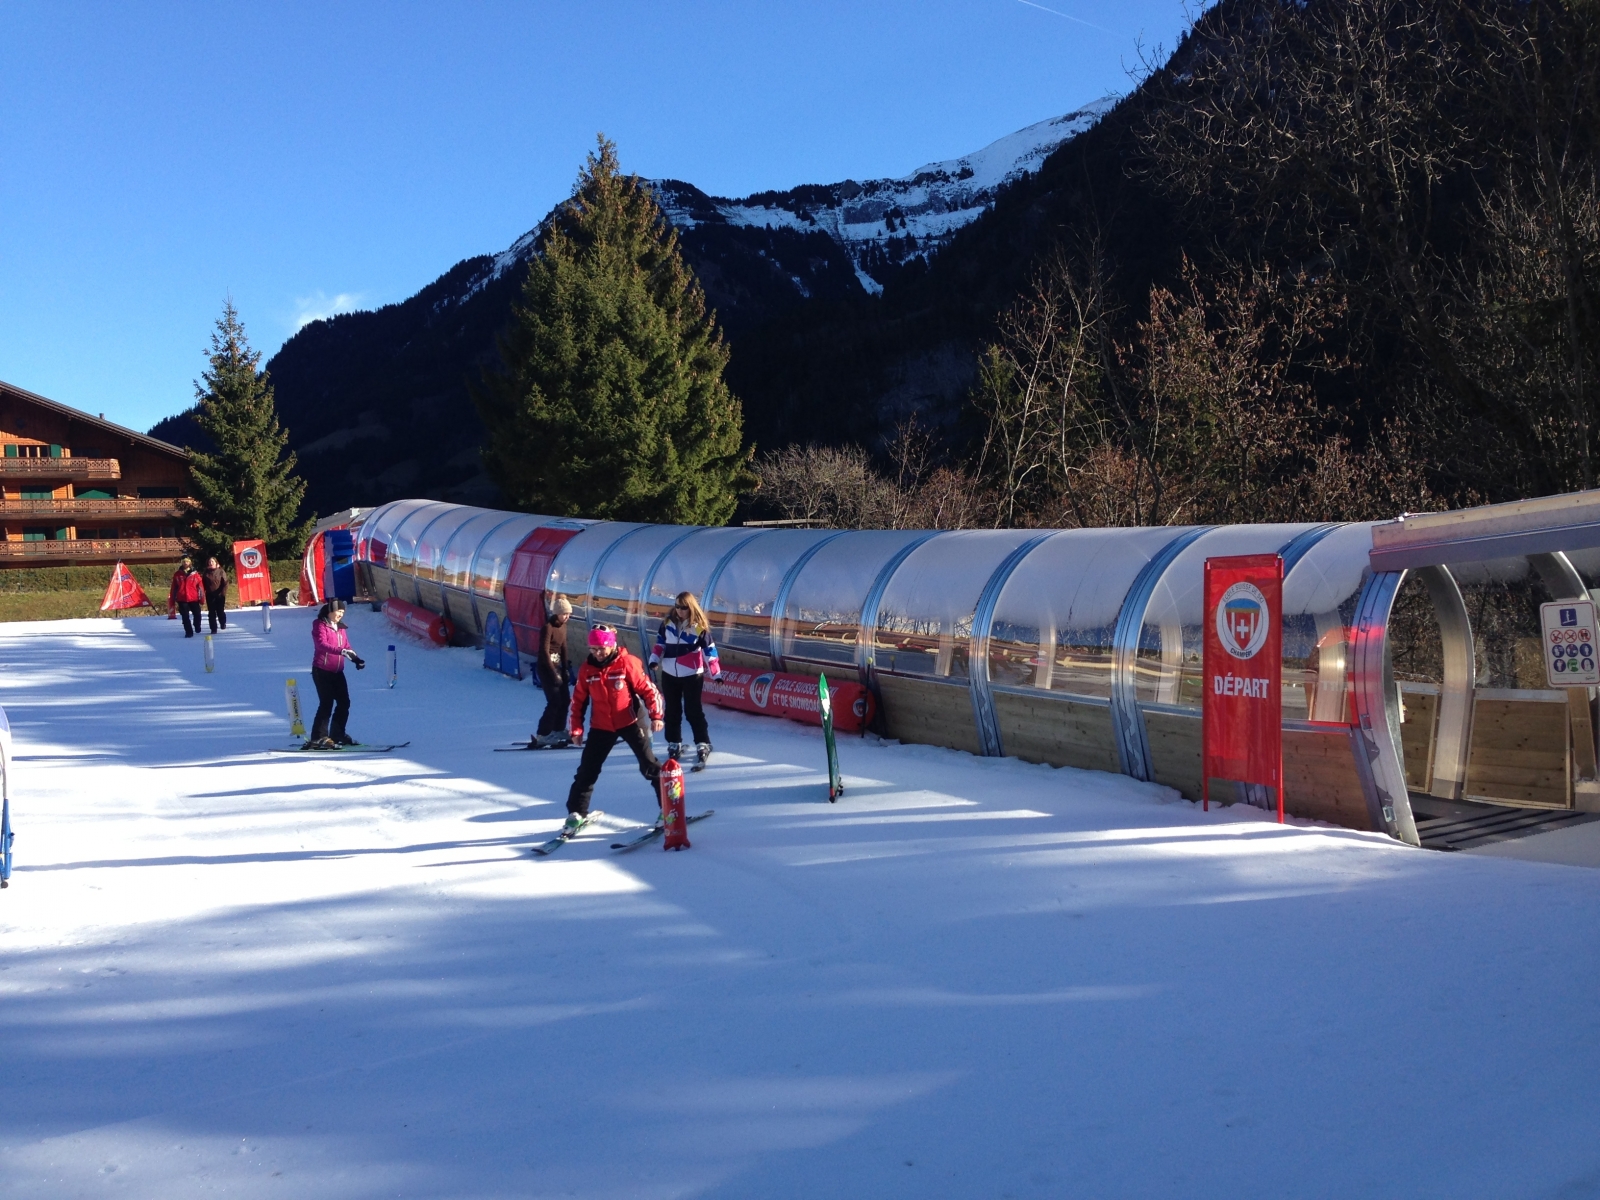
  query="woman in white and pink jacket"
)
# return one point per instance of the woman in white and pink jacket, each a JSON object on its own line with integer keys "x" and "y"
{"x": 331, "y": 646}
{"x": 685, "y": 654}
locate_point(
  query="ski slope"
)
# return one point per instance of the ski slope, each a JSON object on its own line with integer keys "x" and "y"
{"x": 229, "y": 973}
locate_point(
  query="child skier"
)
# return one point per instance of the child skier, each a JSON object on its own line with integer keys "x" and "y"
{"x": 330, "y": 647}
{"x": 608, "y": 682}
{"x": 685, "y": 655}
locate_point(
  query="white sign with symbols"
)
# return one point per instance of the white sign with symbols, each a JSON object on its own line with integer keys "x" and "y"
{"x": 1569, "y": 643}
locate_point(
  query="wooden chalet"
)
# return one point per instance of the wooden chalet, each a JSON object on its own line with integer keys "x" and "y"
{"x": 78, "y": 489}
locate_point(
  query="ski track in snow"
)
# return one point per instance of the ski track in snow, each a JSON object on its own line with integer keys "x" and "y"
{"x": 229, "y": 973}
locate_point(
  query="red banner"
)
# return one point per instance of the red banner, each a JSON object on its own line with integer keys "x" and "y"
{"x": 1242, "y": 673}
{"x": 779, "y": 694}
{"x": 124, "y": 592}
{"x": 415, "y": 619}
{"x": 251, "y": 570}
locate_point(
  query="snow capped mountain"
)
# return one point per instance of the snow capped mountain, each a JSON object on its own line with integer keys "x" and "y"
{"x": 903, "y": 217}
{"x": 880, "y": 224}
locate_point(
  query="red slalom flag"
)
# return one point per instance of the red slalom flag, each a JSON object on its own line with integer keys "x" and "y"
{"x": 1242, "y": 673}
{"x": 124, "y": 592}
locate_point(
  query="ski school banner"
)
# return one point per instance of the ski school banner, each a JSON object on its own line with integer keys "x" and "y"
{"x": 1242, "y": 673}
{"x": 780, "y": 694}
{"x": 251, "y": 570}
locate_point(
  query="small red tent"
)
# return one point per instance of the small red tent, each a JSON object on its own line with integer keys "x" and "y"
{"x": 124, "y": 592}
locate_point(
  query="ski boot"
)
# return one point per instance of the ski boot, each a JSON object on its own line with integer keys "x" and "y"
{"x": 675, "y": 750}
{"x": 702, "y": 755}
{"x": 574, "y": 822}
{"x": 344, "y": 739}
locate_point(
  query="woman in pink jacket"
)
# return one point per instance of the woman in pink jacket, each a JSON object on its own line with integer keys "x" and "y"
{"x": 331, "y": 646}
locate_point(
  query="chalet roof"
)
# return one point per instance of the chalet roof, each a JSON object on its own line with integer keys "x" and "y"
{"x": 111, "y": 427}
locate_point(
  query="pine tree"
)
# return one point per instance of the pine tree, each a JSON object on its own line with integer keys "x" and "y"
{"x": 612, "y": 402}
{"x": 247, "y": 488}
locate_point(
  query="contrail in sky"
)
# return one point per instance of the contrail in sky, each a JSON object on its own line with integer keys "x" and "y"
{"x": 1068, "y": 16}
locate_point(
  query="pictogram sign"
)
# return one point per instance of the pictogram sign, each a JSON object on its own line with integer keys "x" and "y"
{"x": 1569, "y": 643}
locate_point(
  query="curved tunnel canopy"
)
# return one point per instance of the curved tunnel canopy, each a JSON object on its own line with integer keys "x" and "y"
{"x": 1078, "y": 647}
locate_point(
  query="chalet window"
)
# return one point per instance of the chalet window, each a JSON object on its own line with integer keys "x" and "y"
{"x": 87, "y": 452}
{"x": 35, "y": 534}
{"x": 100, "y": 534}
{"x": 96, "y": 493}
{"x": 37, "y": 493}
{"x": 158, "y": 493}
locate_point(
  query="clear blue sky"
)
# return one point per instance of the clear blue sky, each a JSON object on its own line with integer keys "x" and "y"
{"x": 309, "y": 158}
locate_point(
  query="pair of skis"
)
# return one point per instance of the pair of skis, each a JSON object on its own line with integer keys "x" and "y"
{"x": 355, "y": 748}
{"x": 545, "y": 849}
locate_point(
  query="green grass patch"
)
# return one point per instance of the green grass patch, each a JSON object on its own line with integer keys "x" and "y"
{"x": 59, "y": 604}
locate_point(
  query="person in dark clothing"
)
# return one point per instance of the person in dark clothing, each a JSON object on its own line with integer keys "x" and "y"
{"x": 331, "y": 646}
{"x": 551, "y": 667}
{"x": 216, "y": 584}
{"x": 188, "y": 590}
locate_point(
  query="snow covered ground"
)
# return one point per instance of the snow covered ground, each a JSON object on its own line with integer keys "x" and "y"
{"x": 229, "y": 973}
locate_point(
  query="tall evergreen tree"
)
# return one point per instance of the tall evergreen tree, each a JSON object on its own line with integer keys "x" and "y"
{"x": 612, "y": 402}
{"x": 247, "y": 488}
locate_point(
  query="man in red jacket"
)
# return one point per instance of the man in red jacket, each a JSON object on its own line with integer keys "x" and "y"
{"x": 608, "y": 681}
{"x": 188, "y": 589}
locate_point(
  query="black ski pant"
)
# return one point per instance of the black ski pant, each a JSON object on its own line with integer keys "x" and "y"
{"x": 217, "y": 610}
{"x": 189, "y": 610}
{"x": 596, "y": 746}
{"x": 682, "y": 694}
{"x": 557, "y": 699}
{"x": 333, "y": 697}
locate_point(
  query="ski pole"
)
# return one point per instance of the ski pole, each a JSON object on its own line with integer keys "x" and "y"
{"x": 266, "y": 616}
{"x": 394, "y": 665}
{"x": 211, "y": 655}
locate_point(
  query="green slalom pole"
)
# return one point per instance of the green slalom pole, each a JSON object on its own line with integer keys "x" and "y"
{"x": 835, "y": 780}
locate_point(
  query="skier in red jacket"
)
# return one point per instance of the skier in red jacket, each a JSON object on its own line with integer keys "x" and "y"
{"x": 608, "y": 681}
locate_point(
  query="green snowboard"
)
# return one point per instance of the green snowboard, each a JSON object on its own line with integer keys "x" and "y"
{"x": 835, "y": 780}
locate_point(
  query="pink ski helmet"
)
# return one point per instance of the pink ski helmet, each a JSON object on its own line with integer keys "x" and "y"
{"x": 602, "y": 638}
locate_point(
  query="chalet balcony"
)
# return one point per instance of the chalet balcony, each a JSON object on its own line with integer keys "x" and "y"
{"x": 90, "y": 511}
{"x": 89, "y": 550}
{"x": 60, "y": 468}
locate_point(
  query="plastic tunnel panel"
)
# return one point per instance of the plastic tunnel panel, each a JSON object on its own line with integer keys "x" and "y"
{"x": 492, "y": 559}
{"x": 455, "y": 563}
{"x": 1168, "y": 663}
{"x": 687, "y": 568}
{"x": 378, "y": 531}
{"x": 741, "y": 604}
{"x": 403, "y": 542}
{"x": 620, "y": 575}
{"x": 1055, "y": 621}
{"x": 573, "y": 571}
{"x": 925, "y": 619}
{"x": 435, "y": 537}
{"x": 1319, "y": 608}
{"x": 821, "y": 621}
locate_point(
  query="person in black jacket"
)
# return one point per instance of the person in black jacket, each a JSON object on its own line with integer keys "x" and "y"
{"x": 554, "y": 678}
{"x": 216, "y": 581}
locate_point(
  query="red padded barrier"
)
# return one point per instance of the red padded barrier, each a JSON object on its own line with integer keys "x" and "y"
{"x": 418, "y": 620}
{"x": 779, "y": 694}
